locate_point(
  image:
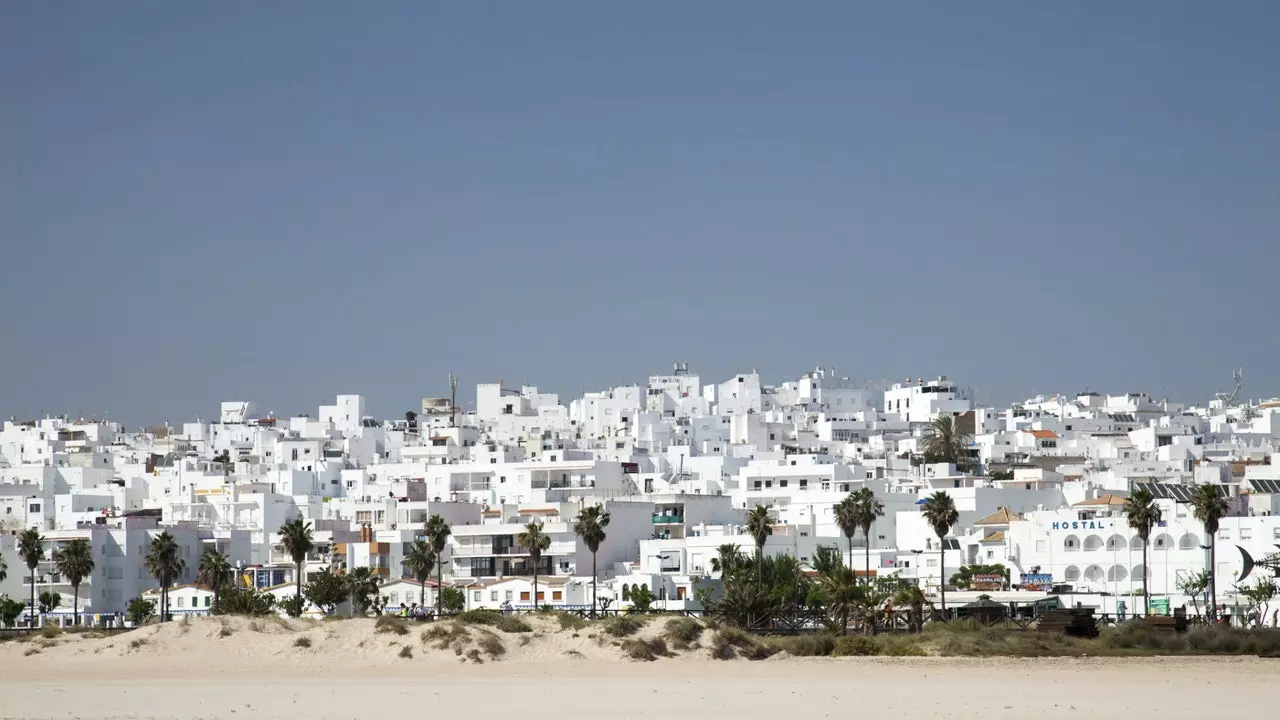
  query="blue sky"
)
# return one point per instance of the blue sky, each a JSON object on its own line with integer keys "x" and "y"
{"x": 284, "y": 201}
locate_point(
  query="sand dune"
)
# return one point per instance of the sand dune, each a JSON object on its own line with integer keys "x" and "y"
{"x": 236, "y": 668}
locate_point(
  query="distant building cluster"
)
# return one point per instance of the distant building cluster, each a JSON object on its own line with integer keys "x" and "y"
{"x": 1040, "y": 488}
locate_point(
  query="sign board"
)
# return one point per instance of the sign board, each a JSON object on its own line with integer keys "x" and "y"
{"x": 1036, "y": 581}
{"x": 988, "y": 582}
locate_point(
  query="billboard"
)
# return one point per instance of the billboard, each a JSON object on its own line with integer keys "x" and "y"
{"x": 989, "y": 582}
{"x": 1036, "y": 581}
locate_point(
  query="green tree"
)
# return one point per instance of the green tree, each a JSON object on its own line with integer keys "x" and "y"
{"x": 1259, "y": 595}
{"x": 362, "y": 588}
{"x": 590, "y": 526}
{"x": 728, "y": 557}
{"x": 1194, "y": 584}
{"x": 946, "y": 442}
{"x": 1143, "y": 514}
{"x": 963, "y": 579}
{"x": 215, "y": 572}
{"x": 437, "y": 532}
{"x": 75, "y": 563}
{"x": 31, "y": 550}
{"x": 327, "y": 590}
{"x": 49, "y": 601}
{"x": 419, "y": 562}
{"x": 641, "y": 599}
{"x": 244, "y": 601}
{"x": 826, "y": 558}
{"x": 296, "y": 537}
{"x": 841, "y": 596}
{"x": 139, "y": 611}
{"x": 760, "y": 527}
{"x": 913, "y": 598}
{"x": 1210, "y": 506}
{"x": 848, "y": 520}
{"x": 535, "y": 542}
{"x": 10, "y": 610}
{"x": 4, "y": 569}
{"x": 940, "y": 512}
{"x": 454, "y": 600}
{"x": 165, "y": 565}
{"x": 868, "y": 510}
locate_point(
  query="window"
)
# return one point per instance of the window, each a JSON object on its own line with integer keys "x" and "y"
{"x": 34, "y": 508}
{"x": 208, "y": 600}
{"x": 475, "y": 596}
{"x": 509, "y": 595}
{"x": 180, "y": 600}
{"x": 931, "y": 562}
{"x": 493, "y": 596}
{"x": 524, "y": 596}
{"x": 782, "y": 483}
{"x": 1246, "y": 533}
{"x": 557, "y": 595}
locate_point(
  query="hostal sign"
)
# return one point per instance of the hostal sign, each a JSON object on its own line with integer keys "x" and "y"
{"x": 1082, "y": 525}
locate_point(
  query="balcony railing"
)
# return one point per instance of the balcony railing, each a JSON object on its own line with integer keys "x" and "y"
{"x": 668, "y": 519}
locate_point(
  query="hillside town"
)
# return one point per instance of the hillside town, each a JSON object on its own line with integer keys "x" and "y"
{"x": 679, "y": 469}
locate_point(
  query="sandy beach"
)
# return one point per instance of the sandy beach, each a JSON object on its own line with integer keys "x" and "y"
{"x": 350, "y": 671}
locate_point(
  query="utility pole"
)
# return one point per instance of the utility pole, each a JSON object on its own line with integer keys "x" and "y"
{"x": 453, "y": 400}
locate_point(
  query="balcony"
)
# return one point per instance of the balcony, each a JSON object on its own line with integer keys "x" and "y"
{"x": 668, "y": 519}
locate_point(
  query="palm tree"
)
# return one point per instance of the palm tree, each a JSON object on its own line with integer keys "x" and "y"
{"x": 31, "y": 549}
{"x": 1143, "y": 515}
{"x": 420, "y": 561}
{"x": 4, "y": 569}
{"x": 1209, "y": 507}
{"x": 869, "y": 509}
{"x": 295, "y": 535}
{"x": 841, "y": 595}
{"x": 215, "y": 572}
{"x": 940, "y": 512}
{"x": 165, "y": 566}
{"x": 438, "y": 532}
{"x": 760, "y": 527}
{"x": 947, "y": 442}
{"x": 75, "y": 561}
{"x": 535, "y": 542}
{"x": 590, "y": 527}
{"x": 728, "y": 558}
{"x": 847, "y": 518}
{"x": 912, "y": 597}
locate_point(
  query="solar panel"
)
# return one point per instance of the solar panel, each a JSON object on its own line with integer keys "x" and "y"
{"x": 1178, "y": 493}
{"x": 1266, "y": 486}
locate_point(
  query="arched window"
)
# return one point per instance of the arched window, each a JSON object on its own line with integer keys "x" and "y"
{"x": 1093, "y": 573}
{"x": 1190, "y": 541}
{"x": 626, "y": 591}
{"x": 1139, "y": 573}
{"x": 1135, "y": 543}
{"x": 1117, "y": 573}
{"x": 1116, "y": 542}
{"x": 1162, "y": 541}
{"x": 1072, "y": 574}
{"x": 1093, "y": 542}
{"x": 1071, "y": 543}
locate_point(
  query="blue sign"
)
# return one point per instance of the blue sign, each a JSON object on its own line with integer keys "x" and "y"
{"x": 1036, "y": 581}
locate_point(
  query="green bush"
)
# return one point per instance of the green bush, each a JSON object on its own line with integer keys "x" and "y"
{"x": 729, "y": 643}
{"x": 856, "y": 646}
{"x": 50, "y": 631}
{"x": 810, "y": 645}
{"x": 569, "y": 621}
{"x": 479, "y": 617}
{"x": 683, "y": 632}
{"x": 391, "y": 624}
{"x": 512, "y": 624}
{"x": 302, "y": 642}
{"x": 244, "y": 601}
{"x": 622, "y": 626}
{"x": 646, "y": 650}
{"x": 406, "y": 652}
{"x": 139, "y": 611}
{"x": 641, "y": 599}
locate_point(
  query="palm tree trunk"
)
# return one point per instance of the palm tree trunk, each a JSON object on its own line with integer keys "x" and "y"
{"x": 422, "y": 596}
{"x": 439, "y": 584}
{"x": 297, "y": 582}
{"x": 593, "y": 584}
{"x": 75, "y": 604}
{"x": 1146, "y": 599}
{"x": 942, "y": 582}
{"x": 850, "y": 539}
{"x": 1213, "y": 578}
{"x": 866, "y": 548}
{"x": 32, "y": 618}
{"x": 535, "y": 586}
